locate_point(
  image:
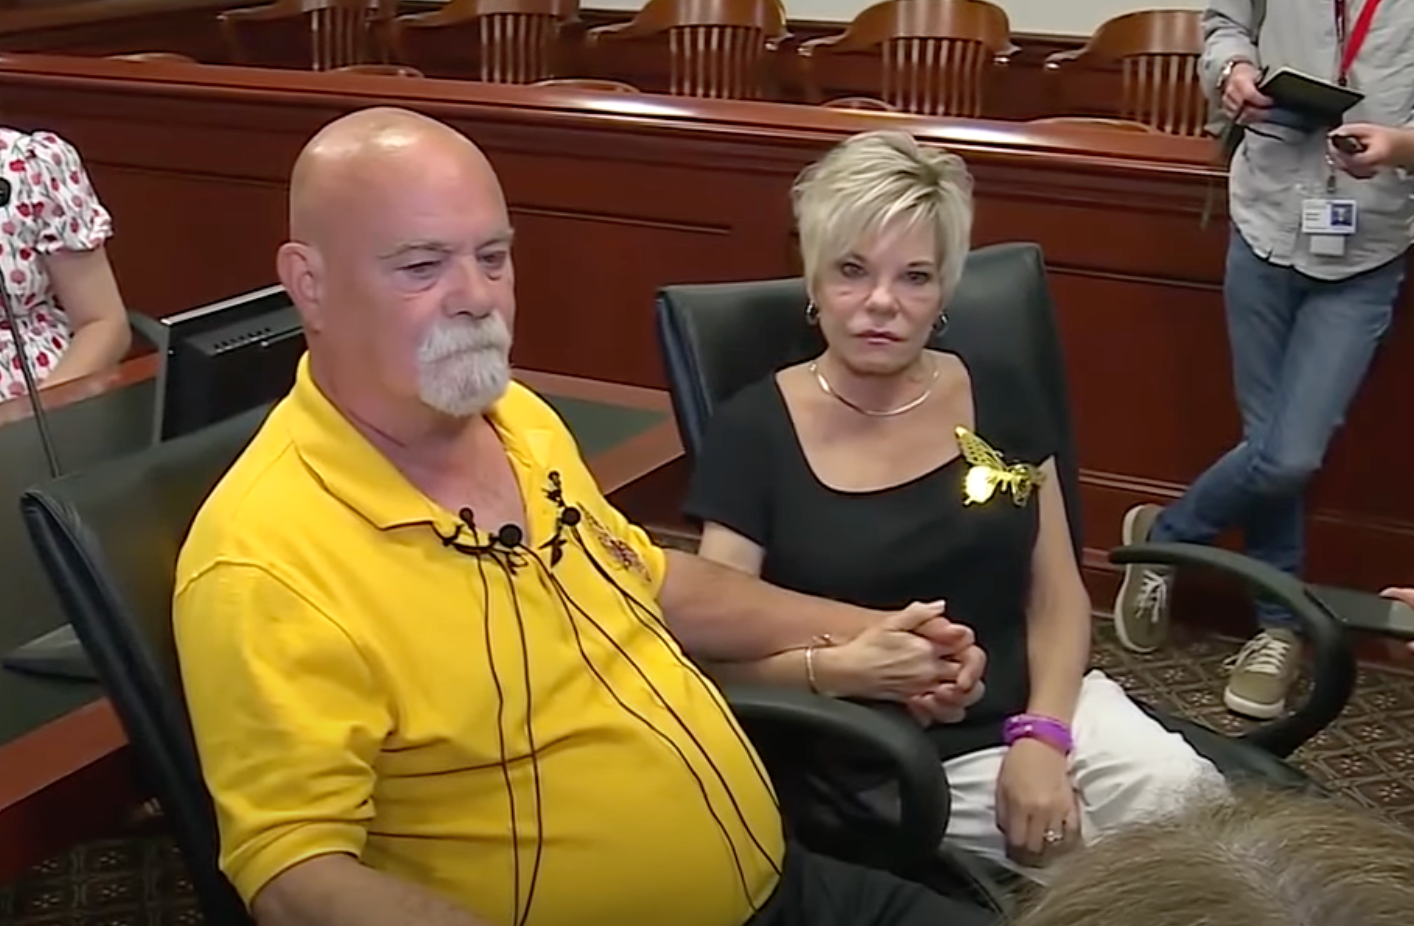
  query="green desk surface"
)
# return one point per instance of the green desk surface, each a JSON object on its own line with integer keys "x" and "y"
{"x": 599, "y": 427}
{"x": 86, "y": 433}
{"x": 112, "y": 425}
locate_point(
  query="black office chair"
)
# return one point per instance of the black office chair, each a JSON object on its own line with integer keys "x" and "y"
{"x": 108, "y": 538}
{"x": 719, "y": 338}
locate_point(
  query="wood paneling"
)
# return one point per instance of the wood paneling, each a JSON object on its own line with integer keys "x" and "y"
{"x": 110, "y": 27}
{"x": 614, "y": 197}
{"x": 691, "y": 190}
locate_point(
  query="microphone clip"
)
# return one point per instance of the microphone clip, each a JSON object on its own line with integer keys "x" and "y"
{"x": 566, "y": 517}
{"x": 503, "y": 545}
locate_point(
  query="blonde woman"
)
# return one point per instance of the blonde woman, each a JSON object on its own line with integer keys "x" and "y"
{"x": 845, "y": 477}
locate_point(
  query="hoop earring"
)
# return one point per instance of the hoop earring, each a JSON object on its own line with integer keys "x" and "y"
{"x": 812, "y": 313}
{"x": 940, "y": 324}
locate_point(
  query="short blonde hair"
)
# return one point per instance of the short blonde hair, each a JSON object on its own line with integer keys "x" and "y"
{"x": 1260, "y": 858}
{"x": 869, "y": 181}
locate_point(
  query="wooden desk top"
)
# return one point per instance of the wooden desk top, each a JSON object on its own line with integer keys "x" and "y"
{"x": 65, "y": 771}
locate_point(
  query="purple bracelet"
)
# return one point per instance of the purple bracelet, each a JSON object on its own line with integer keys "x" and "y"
{"x": 1037, "y": 726}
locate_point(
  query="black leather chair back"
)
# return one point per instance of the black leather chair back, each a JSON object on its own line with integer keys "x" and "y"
{"x": 721, "y": 337}
{"x": 108, "y": 538}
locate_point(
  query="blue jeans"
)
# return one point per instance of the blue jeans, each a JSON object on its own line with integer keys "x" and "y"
{"x": 1300, "y": 349}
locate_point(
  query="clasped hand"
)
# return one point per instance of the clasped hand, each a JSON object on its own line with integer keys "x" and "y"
{"x": 915, "y": 656}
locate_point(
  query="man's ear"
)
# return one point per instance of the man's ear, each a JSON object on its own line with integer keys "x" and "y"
{"x": 300, "y": 269}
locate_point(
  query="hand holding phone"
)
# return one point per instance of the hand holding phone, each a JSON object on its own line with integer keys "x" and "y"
{"x": 1359, "y": 149}
{"x": 1347, "y": 144}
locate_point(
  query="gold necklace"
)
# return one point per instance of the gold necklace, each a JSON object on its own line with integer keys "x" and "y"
{"x": 908, "y": 406}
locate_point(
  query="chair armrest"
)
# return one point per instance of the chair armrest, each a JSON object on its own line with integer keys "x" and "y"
{"x": 1003, "y": 57}
{"x": 1057, "y": 60}
{"x": 924, "y": 799}
{"x": 429, "y": 20}
{"x": 256, "y": 13}
{"x": 808, "y": 48}
{"x": 609, "y": 32}
{"x": 1334, "y": 667}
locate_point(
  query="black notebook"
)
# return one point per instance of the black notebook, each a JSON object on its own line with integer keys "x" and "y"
{"x": 1305, "y": 102}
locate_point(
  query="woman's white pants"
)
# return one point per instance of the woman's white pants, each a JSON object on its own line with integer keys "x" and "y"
{"x": 1126, "y": 767}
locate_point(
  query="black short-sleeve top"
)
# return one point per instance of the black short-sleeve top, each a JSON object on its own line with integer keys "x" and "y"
{"x": 917, "y": 541}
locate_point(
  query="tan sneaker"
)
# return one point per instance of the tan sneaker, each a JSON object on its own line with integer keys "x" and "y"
{"x": 1262, "y": 674}
{"x": 1141, "y": 611}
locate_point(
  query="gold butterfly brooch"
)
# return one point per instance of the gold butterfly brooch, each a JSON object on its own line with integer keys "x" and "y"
{"x": 990, "y": 472}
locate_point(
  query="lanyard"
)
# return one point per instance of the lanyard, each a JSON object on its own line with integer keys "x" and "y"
{"x": 1349, "y": 46}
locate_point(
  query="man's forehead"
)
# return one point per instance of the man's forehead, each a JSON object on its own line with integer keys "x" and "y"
{"x": 450, "y": 244}
{"x": 406, "y": 201}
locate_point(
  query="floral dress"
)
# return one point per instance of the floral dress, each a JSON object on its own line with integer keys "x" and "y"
{"x": 52, "y": 207}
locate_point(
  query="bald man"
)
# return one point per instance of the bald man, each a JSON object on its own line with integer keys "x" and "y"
{"x": 434, "y": 677}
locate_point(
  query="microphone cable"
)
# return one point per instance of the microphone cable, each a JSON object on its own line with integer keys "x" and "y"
{"x": 509, "y": 538}
{"x": 569, "y": 518}
{"x": 506, "y": 548}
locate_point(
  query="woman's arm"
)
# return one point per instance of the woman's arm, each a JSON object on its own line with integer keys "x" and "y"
{"x": 86, "y": 290}
{"x": 891, "y": 660}
{"x": 1057, "y": 612}
{"x": 1036, "y": 803}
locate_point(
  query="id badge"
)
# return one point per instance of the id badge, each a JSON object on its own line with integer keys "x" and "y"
{"x": 1328, "y": 222}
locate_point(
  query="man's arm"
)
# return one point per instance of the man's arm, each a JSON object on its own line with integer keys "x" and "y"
{"x": 288, "y": 721}
{"x": 1381, "y": 147}
{"x": 288, "y": 718}
{"x": 335, "y": 890}
{"x": 720, "y": 614}
{"x": 1228, "y": 35}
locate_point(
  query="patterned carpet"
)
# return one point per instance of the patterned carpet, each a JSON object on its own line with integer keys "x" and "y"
{"x": 1368, "y": 755}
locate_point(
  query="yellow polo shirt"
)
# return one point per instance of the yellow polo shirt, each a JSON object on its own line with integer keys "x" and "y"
{"x": 510, "y": 734}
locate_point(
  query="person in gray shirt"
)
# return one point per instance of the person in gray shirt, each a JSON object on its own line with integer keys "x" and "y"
{"x": 1315, "y": 262}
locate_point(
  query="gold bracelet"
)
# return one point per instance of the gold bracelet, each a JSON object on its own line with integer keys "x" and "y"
{"x": 822, "y": 640}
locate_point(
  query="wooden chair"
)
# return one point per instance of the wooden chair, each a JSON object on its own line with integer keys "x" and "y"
{"x": 1121, "y": 125}
{"x": 716, "y": 48}
{"x": 498, "y": 41}
{"x": 1156, "y": 52}
{"x": 934, "y": 55}
{"x": 587, "y": 83}
{"x": 319, "y": 34}
{"x": 155, "y": 57}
